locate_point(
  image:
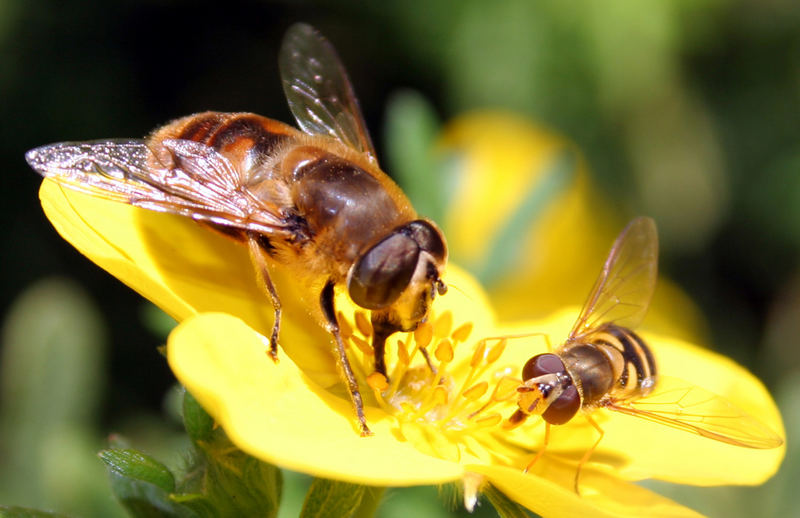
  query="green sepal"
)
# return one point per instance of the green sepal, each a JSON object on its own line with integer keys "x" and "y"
{"x": 332, "y": 498}
{"x": 197, "y": 503}
{"x": 237, "y": 484}
{"x": 134, "y": 465}
{"x": 12, "y": 511}
{"x": 196, "y": 420}
{"x": 505, "y": 507}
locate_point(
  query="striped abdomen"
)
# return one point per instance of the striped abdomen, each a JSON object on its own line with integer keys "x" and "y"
{"x": 611, "y": 362}
{"x": 245, "y": 139}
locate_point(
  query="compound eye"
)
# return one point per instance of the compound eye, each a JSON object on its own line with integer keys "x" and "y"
{"x": 547, "y": 363}
{"x": 428, "y": 237}
{"x": 383, "y": 272}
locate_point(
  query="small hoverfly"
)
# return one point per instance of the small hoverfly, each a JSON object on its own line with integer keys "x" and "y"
{"x": 605, "y": 364}
{"x": 314, "y": 201}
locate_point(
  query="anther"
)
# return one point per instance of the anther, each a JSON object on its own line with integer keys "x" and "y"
{"x": 493, "y": 419}
{"x": 444, "y": 351}
{"x": 461, "y": 334}
{"x": 443, "y": 324}
{"x": 363, "y": 324}
{"x": 362, "y": 345}
{"x": 402, "y": 353}
{"x": 423, "y": 334}
{"x": 345, "y": 329}
{"x": 496, "y": 351}
{"x": 476, "y": 391}
{"x": 377, "y": 381}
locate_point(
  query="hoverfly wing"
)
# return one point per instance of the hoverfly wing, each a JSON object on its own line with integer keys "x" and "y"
{"x": 103, "y": 167}
{"x": 679, "y": 404}
{"x": 183, "y": 177}
{"x": 318, "y": 90}
{"x": 625, "y": 286}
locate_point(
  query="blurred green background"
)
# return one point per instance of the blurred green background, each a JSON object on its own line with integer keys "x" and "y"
{"x": 688, "y": 111}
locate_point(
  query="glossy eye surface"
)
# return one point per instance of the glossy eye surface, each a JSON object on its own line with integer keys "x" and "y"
{"x": 381, "y": 274}
{"x": 541, "y": 364}
{"x": 427, "y": 237}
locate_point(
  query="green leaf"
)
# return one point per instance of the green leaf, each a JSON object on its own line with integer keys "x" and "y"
{"x": 505, "y": 507}
{"x": 138, "y": 466}
{"x": 332, "y": 498}
{"x": 198, "y": 423}
{"x": 412, "y": 127}
{"x": 145, "y": 500}
{"x": 10, "y": 511}
{"x": 506, "y": 246}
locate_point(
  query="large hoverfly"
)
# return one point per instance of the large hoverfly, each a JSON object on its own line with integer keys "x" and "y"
{"x": 313, "y": 201}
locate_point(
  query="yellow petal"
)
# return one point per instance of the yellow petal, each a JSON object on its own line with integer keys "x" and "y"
{"x": 274, "y": 412}
{"x": 601, "y": 495}
{"x": 184, "y": 269}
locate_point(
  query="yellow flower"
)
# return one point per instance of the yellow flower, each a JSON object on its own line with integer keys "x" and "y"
{"x": 525, "y": 218}
{"x": 429, "y": 428}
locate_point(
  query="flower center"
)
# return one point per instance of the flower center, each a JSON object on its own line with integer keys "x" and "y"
{"x": 446, "y": 390}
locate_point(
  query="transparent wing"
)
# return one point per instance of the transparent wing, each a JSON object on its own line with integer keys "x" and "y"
{"x": 679, "y": 404}
{"x": 623, "y": 291}
{"x": 318, "y": 90}
{"x": 198, "y": 182}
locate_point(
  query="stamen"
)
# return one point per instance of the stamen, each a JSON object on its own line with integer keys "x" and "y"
{"x": 443, "y": 324}
{"x": 423, "y": 334}
{"x": 440, "y": 395}
{"x": 437, "y": 397}
{"x": 476, "y": 391}
{"x": 450, "y": 399}
{"x": 400, "y": 368}
{"x": 477, "y": 356}
{"x": 363, "y": 324}
{"x": 492, "y": 419}
{"x": 345, "y": 329}
{"x": 444, "y": 351}
{"x": 496, "y": 351}
{"x": 461, "y": 334}
{"x": 477, "y": 369}
{"x": 377, "y": 381}
{"x": 402, "y": 354}
{"x": 363, "y": 345}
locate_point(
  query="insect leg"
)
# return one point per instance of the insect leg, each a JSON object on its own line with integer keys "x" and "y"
{"x": 427, "y": 356}
{"x": 260, "y": 263}
{"x": 541, "y": 450}
{"x": 326, "y": 302}
{"x": 505, "y": 389}
{"x": 588, "y": 454}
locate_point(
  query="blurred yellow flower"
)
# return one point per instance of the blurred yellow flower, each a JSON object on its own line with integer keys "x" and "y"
{"x": 527, "y": 220}
{"x": 429, "y": 428}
